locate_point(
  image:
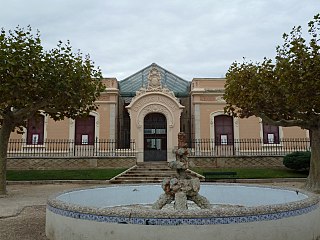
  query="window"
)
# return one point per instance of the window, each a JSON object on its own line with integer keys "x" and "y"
{"x": 35, "y": 130}
{"x": 270, "y": 134}
{"x": 84, "y": 131}
{"x": 223, "y": 130}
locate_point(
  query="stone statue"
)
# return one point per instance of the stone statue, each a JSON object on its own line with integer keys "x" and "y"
{"x": 181, "y": 188}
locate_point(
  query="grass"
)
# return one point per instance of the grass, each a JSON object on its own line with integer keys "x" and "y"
{"x": 254, "y": 173}
{"x": 87, "y": 174}
{"x": 105, "y": 174}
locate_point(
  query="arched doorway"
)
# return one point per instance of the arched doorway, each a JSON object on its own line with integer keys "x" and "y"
{"x": 223, "y": 130}
{"x": 84, "y": 130}
{"x": 35, "y": 130}
{"x": 224, "y": 135}
{"x": 155, "y": 137}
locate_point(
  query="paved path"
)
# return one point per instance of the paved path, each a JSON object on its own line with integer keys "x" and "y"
{"x": 21, "y": 196}
{"x": 22, "y": 211}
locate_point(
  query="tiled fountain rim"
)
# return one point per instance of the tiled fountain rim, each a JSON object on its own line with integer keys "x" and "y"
{"x": 309, "y": 203}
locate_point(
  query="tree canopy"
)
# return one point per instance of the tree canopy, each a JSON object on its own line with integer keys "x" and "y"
{"x": 58, "y": 82}
{"x": 284, "y": 91}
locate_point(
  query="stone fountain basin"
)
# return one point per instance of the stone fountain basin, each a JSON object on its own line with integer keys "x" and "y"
{"x": 239, "y": 212}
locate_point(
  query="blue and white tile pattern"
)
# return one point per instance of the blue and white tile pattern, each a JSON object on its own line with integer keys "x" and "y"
{"x": 183, "y": 221}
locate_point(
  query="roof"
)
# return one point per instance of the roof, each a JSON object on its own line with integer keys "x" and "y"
{"x": 133, "y": 83}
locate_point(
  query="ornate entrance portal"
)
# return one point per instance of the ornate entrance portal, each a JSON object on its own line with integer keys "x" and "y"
{"x": 155, "y": 120}
{"x": 155, "y": 137}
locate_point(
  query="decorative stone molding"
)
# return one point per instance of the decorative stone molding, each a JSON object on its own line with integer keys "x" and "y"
{"x": 152, "y": 108}
{"x": 142, "y": 91}
{"x": 207, "y": 98}
{"x": 154, "y": 99}
{"x": 220, "y": 99}
{"x": 236, "y": 122}
{"x": 154, "y": 85}
{"x": 104, "y": 98}
{"x": 154, "y": 78}
{"x": 215, "y": 90}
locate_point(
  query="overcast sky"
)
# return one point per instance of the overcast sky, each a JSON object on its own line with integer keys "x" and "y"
{"x": 191, "y": 38}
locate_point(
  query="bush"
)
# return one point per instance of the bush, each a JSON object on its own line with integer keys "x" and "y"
{"x": 297, "y": 160}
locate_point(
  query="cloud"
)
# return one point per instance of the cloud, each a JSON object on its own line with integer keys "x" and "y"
{"x": 189, "y": 38}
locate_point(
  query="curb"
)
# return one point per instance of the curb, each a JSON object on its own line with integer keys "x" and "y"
{"x": 263, "y": 180}
{"x": 58, "y": 182}
{"x": 271, "y": 180}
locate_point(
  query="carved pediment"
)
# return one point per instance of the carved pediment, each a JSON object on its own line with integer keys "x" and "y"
{"x": 154, "y": 84}
{"x": 154, "y": 78}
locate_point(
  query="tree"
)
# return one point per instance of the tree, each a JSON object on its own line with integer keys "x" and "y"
{"x": 284, "y": 92}
{"x": 59, "y": 83}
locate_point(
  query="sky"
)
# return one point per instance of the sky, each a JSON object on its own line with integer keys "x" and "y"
{"x": 190, "y": 38}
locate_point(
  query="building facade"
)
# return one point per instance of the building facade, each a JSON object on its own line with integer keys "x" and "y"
{"x": 151, "y": 107}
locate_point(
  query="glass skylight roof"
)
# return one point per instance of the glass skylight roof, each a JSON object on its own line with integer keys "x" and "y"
{"x": 133, "y": 83}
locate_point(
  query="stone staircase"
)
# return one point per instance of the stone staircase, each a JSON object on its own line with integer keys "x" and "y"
{"x": 153, "y": 172}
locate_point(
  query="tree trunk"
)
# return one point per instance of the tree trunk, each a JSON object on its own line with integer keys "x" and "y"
{"x": 313, "y": 180}
{"x": 5, "y": 132}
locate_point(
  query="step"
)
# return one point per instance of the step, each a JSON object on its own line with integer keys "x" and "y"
{"x": 154, "y": 169}
{"x": 137, "y": 181}
{"x": 147, "y": 173}
{"x": 153, "y": 166}
{"x": 139, "y": 178}
{"x": 152, "y": 172}
{"x": 143, "y": 177}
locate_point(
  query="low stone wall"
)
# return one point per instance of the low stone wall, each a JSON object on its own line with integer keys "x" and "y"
{"x": 237, "y": 162}
{"x": 69, "y": 163}
{"x": 126, "y": 162}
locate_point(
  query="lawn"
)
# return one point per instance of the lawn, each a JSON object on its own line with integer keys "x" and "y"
{"x": 87, "y": 174}
{"x": 105, "y": 174}
{"x": 251, "y": 173}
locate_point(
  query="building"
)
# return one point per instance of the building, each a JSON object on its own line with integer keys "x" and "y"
{"x": 151, "y": 107}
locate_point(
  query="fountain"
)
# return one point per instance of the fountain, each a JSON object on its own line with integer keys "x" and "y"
{"x": 181, "y": 188}
{"x": 216, "y": 211}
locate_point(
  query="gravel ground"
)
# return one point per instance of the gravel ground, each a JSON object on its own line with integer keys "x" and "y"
{"x": 22, "y": 211}
{"x": 28, "y": 225}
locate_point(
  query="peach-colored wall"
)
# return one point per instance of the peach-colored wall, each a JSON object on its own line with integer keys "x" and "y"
{"x": 107, "y": 103}
{"x": 15, "y": 135}
{"x": 206, "y": 94}
{"x": 58, "y": 129}
{"x": 104, "y": 113}
{"x": 215, "y": 83}
{"x": 249, "y": 128}
{"x": 294, "y": 132}
{"x": 207, "y": 101}
{"x": 61, "y": 129}
{"x": 205, "y": 111}
{"x": 110, "y": 82}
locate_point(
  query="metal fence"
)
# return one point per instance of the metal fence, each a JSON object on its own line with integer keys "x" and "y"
{"x": 69, "y": 148}
{"x": 246, "y": 147}
{"x": 198, "y": 147}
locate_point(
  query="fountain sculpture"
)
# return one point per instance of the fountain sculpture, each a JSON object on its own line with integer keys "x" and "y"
{"x": 181, "y": 188}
